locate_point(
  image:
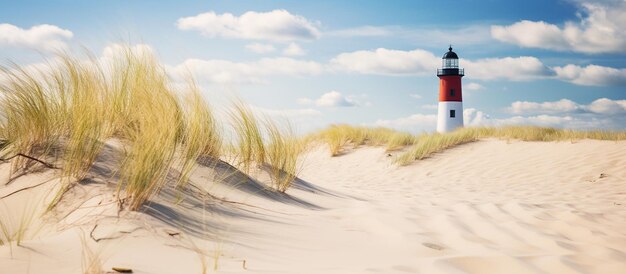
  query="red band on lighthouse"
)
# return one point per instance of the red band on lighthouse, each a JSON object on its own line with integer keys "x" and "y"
{"x": 450, "y": 88}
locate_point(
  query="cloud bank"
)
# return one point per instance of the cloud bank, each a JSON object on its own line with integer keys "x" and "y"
{"x": 229, "y": 72}
{"x": 276, "y": 25}
{"x": 42, "y": 37}
{"x": 591, "y": 75}
{"x": 331, "y": 99}
{"x": 600, "y": 30}
{"x": 387, "y": 62}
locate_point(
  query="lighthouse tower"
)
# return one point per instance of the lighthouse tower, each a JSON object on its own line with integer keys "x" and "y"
{"x": 450, "y": 115}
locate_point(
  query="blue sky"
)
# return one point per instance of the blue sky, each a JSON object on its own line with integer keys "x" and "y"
{"x": 552, "y": 63}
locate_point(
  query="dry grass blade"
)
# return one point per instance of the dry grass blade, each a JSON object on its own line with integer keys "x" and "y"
{"x": 31, "y": 113}
{"x": 153, "y": 130}
{"x": 249, "y": 147}
{"x": 422, "y": 146}
{"x": 338, "y": 136}
{"x": 19, "y": 224}
{"x": 201, "y": 135}
{"x": 283, "y": 151}
{"x": 432, "y": 143}
{"x": 91, "y": 261}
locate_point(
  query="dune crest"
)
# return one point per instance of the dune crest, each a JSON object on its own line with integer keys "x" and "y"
{"x": 491, "y": 206}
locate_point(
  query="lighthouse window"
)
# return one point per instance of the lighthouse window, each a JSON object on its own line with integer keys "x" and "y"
{"x": 452, "y": 92}
{"x": 452, "y": 113}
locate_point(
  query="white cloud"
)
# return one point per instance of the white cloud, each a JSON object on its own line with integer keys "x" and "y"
{"x": 602, "y": 113}
{"x": 539, "y": 120}
{"x": 416, "y": 96}
{"x": 511, "y": 68}
{"x": 591, "y": 75}
{"x": 229, "y": 72}
{"x": 561, "y": 106}
{"x": 530, "y": 34}
{"x": 602, "y": 106}
{"x": 276, "y": 25}
{"x": 420, "y": 62}
{"x": 601, "y": 30}
{"x": 473, "y": 86}
{"x": 260, "y": 48}
{"x": 106, "y": 60}
{"x": 474, "y": 117}
{"x": 365, "y": 31}
{"x": 430, "y": 107}
{"x": 300, "y": 120}
{"x": 475, "y": 34}
{"x": 607, "y": 106}
{"x": 412, "y": 123}
{"x": 571, "y": 121}
{"x": 113, "y": 51}
{"x": 294, "y": 49}
{"x": 299, "y": 112}
{"x": 387, "y": 62}
{"x": 331, "y": 99}
{"x": 45, "y": 37}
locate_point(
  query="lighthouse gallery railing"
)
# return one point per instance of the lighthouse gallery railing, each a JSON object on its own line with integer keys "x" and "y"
{"x": 450, "y": 71}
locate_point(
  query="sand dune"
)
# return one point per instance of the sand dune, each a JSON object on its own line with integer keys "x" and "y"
{"x": 487, "y": 207}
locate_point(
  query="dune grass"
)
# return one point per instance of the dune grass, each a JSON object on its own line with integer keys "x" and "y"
{"x": 82, "y": 92}
{"x": 249, "y": 147}
{"x": 91, "y": 261}
{"x": 265, "y": 144}
{"x": 32, "y": 115}
{"x": 399, "y": 140}
{"x": 68, "y": 103}
{"x": 68, "y": 108}
{"x": 17, "y": 224}
{"x": 201, "y": 136}
{"x": 339, "y": 136}
{"x": 283, "y": 151}
{"x": 154, "y": 130}
{"x": 421, "y": 146}
{"x": 428, "y": 144}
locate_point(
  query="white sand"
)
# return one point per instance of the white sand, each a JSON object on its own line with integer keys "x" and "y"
{"x": 486, "y": 207}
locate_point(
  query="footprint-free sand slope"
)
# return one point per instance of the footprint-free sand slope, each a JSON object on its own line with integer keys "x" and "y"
{"x": 487, "y": 207}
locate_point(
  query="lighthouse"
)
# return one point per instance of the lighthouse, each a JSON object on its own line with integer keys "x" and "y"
{"x": 450, "y": 114}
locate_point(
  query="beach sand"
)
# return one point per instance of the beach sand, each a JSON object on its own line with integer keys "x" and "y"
{"x": 493, "y": 206}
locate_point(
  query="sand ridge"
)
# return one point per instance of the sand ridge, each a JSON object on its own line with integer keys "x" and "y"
{"x": 493, "y": 206}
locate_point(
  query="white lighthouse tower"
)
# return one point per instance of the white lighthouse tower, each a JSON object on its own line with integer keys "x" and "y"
{"x": 450, "y": 114}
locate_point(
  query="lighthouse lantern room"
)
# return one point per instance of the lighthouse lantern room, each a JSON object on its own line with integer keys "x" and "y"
{"x": 450, "y": 114}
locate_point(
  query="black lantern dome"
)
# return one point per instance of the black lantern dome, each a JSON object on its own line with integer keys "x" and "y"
{"x": 450, "y": 54}
{"x": 450, "y": 64}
